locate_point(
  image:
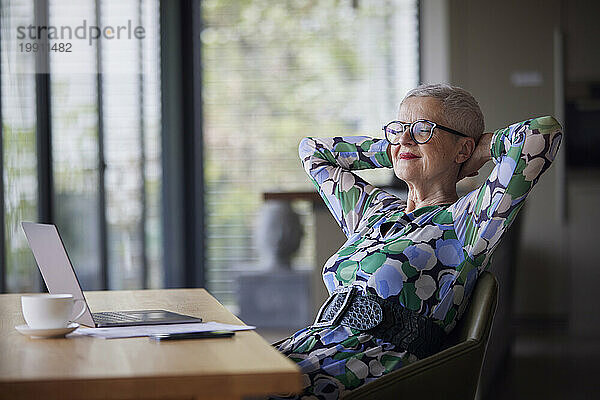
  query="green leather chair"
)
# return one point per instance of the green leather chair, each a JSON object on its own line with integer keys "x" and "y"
{"x": 452, "y": 373}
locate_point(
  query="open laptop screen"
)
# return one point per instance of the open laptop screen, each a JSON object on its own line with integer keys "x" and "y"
{"x": 54, "y": 264}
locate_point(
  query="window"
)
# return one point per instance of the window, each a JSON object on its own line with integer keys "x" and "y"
{"x": 105, "y": 117}
{"x": 18, "y": 146}
{"x": 275, "y": 72}
{"x": 83, "y": 140}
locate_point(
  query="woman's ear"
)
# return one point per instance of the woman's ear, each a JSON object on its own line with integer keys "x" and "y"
{"x": 466, "y": 149}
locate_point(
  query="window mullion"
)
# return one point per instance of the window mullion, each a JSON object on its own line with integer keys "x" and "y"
{"x": 103, "y": 231}
{"x": 43, "y": 125}
{"x": 143, "y": 199}
{"x": 192, "y": 72}
{"x": 2, "y": 227}
{"x": 43, "y": 131}
{"x": 183, "y": 188}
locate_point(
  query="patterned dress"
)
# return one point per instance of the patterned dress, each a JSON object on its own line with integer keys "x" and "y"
{"x": 428, "y": 260}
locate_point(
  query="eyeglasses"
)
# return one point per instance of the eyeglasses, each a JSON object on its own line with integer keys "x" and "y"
{"x": 421, "y": 131}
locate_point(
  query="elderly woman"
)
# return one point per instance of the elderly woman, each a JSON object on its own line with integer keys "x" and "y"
{"x": 405, "y": 275}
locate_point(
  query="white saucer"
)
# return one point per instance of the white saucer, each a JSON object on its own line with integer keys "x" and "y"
{"x": 46, "y": 333}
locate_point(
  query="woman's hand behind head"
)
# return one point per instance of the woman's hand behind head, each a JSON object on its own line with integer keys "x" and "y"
{"x": 481, "y": 155}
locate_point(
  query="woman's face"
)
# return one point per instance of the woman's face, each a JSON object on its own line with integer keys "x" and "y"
{"x": 429, "y": 162}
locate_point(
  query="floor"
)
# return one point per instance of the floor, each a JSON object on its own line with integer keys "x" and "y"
{"x": 551, "y": 367}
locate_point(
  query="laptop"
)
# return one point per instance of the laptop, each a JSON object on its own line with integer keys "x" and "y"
{"x": 58, "y": 273}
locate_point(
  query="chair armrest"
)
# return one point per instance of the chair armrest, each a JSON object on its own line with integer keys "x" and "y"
{"x": 451, "y": 373}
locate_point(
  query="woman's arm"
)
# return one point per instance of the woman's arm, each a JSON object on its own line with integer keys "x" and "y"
{"x": 522, "y": 152}
{"x": 329, "y": 162}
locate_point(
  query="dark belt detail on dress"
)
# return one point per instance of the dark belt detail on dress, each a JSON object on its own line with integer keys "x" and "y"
{"x": 384, "y": 319}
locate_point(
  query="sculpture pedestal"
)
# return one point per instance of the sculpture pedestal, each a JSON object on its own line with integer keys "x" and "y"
{"x": 276, "y": 299}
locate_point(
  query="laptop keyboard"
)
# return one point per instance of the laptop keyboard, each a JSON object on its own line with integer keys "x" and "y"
{"x": 113, "y": 317}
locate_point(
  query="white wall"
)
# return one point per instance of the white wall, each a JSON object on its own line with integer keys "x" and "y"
{"x": 491, "y": 45}
{"x": 479, "y": 45}
{"x": 435, "y": 41}
{"x": 582, "y": 49}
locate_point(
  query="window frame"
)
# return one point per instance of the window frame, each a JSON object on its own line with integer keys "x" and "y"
{"x": 43, "y": 128}
{"x": 2, "y": 234}
{"x": 182, "y": 144}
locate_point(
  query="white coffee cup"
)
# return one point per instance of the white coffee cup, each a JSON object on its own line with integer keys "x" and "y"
{"x": 49, "y": 311}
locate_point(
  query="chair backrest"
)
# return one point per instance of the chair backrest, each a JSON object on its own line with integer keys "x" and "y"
{"x": 452, "y": 373}
{"x": 476, "y": 323}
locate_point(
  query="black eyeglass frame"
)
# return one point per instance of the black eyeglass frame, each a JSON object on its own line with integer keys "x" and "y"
{"x": 412, "y": 136}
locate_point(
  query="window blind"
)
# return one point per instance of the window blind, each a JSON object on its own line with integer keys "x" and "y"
{"x": 105, "y": 113}
{"x": 273, "y": 73}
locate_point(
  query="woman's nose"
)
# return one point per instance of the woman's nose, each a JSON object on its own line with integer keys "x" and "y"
{"x": 405, "y": 138}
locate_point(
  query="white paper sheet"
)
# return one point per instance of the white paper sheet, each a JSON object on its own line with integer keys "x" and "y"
{"x": 147, "y": 330}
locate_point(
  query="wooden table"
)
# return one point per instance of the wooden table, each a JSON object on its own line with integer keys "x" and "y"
{"x": 138, "y": 368}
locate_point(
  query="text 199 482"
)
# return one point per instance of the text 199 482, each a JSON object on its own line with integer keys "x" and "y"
{"x": 34, "y": 47}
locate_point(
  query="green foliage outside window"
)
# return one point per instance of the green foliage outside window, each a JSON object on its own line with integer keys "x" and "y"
{"x": 274, "y": 72}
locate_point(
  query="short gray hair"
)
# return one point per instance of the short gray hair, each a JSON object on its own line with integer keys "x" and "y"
{"x": 460, "y": 109}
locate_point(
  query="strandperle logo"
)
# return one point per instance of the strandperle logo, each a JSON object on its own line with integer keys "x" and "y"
{"x": 83, "y": 31}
